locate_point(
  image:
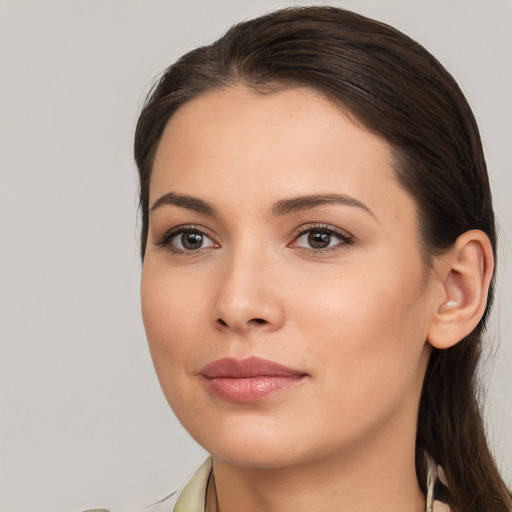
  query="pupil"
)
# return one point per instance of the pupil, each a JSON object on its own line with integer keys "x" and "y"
{"x": 192, "y": 240}
{"x": 319, "y": 240}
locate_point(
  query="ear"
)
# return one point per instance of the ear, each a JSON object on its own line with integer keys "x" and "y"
{"x": 464, "y": 274}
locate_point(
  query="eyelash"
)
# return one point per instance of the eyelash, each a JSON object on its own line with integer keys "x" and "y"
{"x": 344, "y": 239}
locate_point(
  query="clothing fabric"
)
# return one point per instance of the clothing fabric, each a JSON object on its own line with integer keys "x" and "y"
{"x": 193, "y": 496}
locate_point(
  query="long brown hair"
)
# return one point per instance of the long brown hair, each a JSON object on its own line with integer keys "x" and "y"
{"x": 395, "y": 88}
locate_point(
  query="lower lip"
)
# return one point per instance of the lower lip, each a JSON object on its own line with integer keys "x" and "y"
{"x": 250, "y": 389}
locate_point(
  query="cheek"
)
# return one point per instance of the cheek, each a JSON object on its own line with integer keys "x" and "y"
{"x": 371, "y": 323}
{"x": 171, "y": 310}
{"x": 368, "y": 347}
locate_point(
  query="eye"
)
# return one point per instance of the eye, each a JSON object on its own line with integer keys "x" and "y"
{"x": 186, "y": 239}
{"x": 191, "y": 241}
{"x": 321, "y": 238}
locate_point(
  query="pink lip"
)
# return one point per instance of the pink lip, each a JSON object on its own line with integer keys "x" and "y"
{"x": 248, "y": 380}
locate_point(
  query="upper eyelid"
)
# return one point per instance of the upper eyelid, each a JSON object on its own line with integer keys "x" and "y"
{"x": 188, "y": 227}
{"x": 304, "y": 228}
{"x": 169, "y": 234}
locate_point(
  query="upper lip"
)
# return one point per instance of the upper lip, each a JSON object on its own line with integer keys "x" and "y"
{"x": 229, "y": 367}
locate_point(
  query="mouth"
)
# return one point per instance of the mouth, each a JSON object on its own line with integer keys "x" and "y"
{"x": 248, "y": 380}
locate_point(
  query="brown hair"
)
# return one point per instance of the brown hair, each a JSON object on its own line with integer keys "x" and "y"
{"x": 395, "y": 88}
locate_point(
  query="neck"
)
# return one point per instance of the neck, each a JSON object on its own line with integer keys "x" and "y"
{"x": 374, "y": 476}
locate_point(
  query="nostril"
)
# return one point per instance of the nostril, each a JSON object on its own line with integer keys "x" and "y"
{"x": 252, "y": 322}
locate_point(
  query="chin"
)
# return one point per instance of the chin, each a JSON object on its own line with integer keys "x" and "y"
{"x": 257, "y": 455}
{"x": 258, "y": 444}
{"x": 262, "y": 446}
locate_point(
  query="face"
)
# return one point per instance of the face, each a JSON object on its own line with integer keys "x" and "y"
{"x": 284, "y": 294}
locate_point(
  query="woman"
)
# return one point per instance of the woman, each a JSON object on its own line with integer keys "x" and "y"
{"x": 318, "y": 243}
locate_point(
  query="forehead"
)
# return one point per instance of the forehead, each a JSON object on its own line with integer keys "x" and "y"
{"x": 290, "y": 142}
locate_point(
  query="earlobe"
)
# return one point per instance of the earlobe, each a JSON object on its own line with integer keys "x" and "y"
{"x": 465, "y": 273}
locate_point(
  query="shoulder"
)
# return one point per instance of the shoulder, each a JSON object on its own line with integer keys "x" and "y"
{"x": 164, "y": 505}
{"x": 190, "y": 498}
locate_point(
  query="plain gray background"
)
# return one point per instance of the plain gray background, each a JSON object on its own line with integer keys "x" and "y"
{"x": 82, "y": 420}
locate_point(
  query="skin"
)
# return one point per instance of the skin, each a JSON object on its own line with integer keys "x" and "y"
{"x": 354, "y": 317}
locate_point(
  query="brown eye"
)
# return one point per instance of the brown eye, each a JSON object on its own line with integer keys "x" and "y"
{"x": 319, "y": 240}
{"x": 190, "y": 240}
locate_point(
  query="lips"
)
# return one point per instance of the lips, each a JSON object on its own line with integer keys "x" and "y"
{"x": 248, "y": 380}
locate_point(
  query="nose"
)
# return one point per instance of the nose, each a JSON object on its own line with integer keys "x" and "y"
{"x": 247, "y": 295}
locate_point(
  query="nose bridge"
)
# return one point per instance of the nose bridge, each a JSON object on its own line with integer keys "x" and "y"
{"x": 246, "y": 294}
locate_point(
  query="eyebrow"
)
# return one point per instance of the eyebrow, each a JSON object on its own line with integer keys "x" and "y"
{"x": 183, "y": 201}
{"x": 301, "y": 203}
{"x": 280, "y": 208}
